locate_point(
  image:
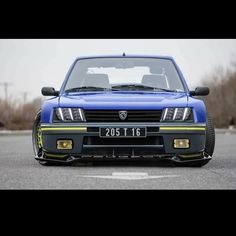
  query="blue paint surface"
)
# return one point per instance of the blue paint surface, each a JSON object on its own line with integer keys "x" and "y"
{"x": 125, "y": 100}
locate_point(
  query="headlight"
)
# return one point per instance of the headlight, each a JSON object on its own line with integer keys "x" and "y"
{"x": 176, "y": 114}
{"x": 69, "y": 115}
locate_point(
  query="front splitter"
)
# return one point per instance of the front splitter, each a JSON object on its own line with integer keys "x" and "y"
{"x": 174, "y": 159}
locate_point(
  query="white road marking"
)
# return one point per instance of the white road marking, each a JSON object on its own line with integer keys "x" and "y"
{"x": 129, "y": 176}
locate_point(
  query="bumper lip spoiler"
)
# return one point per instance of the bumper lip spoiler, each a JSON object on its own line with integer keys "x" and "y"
{"x": 71, "y": 159}
{"x": 177, "y": 160}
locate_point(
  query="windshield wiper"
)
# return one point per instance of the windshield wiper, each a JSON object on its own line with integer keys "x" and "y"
{"x": 86, "y": 88}
{"x": 130, "y": 87}
{"x": 141, "y": 87}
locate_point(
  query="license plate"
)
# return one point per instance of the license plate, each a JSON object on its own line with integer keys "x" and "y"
{"x": 134, "y": 132}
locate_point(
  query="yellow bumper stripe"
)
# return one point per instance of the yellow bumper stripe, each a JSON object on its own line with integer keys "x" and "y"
{"x": 191, "y": 155}
{"x": 182, "y": 128}
{"x": 85, "y": 128}
{"x": 64, "y": 128}
{"x": 54, "y": 155}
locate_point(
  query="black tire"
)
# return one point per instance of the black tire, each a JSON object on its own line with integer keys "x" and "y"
{"x": 36, "y": 147}
{"x": 209, "y": 144}
{"x": 210, "y": 138}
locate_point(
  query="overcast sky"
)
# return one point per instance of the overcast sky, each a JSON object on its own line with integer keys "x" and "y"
{"x": 30, "y": 64}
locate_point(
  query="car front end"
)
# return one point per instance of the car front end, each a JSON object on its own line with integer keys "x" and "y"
{"x": 118, "y": 131}
{"x": 123, "y": 122}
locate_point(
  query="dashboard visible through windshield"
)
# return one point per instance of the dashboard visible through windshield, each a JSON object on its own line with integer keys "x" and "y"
{"x": 124, "y": 74}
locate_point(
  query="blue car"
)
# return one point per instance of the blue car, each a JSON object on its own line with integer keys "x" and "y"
{"x": 124, "y": 107}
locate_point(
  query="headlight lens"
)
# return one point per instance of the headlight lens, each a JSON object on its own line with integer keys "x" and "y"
{"x": 69, "y": 115}
{"x": 176, "y": 114}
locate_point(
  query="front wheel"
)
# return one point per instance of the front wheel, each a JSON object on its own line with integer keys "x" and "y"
{"x": 37, "y": 139}
{"x": 209, "y": 143}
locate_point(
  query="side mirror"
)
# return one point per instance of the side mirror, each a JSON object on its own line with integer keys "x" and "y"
{"x": 200, "y": 91}
{"x": 49, "y": 91}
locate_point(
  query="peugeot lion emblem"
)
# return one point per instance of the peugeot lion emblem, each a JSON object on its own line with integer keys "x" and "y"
{"x": 123, "y": 115}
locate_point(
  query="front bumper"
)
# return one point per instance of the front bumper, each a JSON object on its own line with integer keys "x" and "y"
{"x": 158, "y": 143}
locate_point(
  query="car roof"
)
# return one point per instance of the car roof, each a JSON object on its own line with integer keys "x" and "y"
{"x": 126, "y": 56}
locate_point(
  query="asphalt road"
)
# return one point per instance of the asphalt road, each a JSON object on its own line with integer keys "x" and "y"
{"x": 19, "y": 170}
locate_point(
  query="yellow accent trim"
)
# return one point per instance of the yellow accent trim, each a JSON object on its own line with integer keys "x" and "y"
{"x": 39, "y": 137}
{"x": 182, "y": 128}
{"x": 64, "y": 128}
{"x": 191, "y": 155}
{"x": 54, "y": 155}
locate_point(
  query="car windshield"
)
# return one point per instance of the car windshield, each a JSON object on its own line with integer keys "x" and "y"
{"x": 124, "y": 74}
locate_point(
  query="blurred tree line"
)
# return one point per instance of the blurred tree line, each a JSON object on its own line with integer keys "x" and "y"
{"x": 18, "y": 116}
{"x": 221, "y": 102}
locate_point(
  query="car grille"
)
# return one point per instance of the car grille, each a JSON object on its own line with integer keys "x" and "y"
{"x": 113, "y": 116}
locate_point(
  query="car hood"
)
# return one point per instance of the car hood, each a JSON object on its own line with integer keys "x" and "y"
{"x": 123, "y": 100}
